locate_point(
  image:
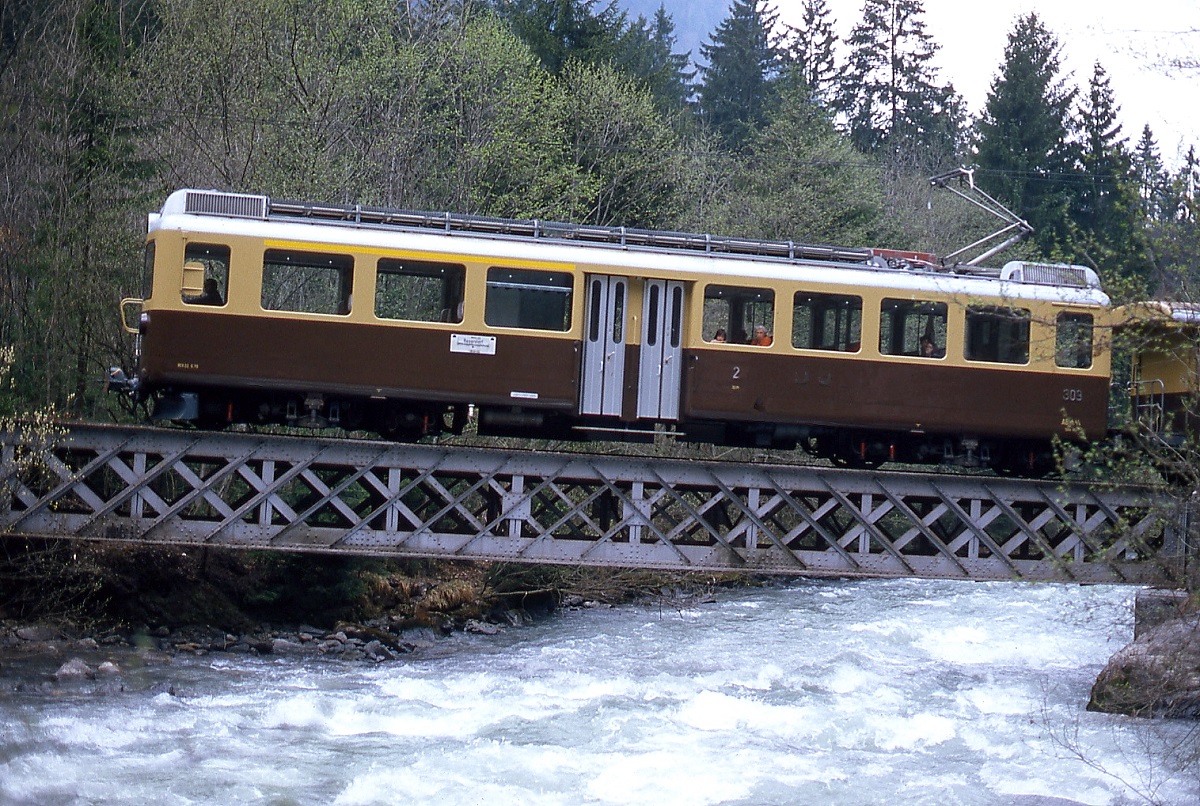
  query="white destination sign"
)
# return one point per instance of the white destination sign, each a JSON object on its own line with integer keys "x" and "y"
{"x": 479, "y": 345}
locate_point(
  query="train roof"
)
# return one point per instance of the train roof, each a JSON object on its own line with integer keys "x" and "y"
{"x": 692, "y": 254}
{"x": 1162, "y": 313}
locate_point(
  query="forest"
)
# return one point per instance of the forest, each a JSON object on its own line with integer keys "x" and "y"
{"x": 568, "y": 110}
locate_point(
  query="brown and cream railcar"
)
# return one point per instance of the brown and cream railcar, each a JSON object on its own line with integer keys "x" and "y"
{"x": 1164, "y": 344}
{"x": 272, "y": 312}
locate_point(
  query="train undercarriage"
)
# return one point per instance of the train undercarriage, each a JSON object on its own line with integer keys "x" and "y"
{"x": 408, "y": 421}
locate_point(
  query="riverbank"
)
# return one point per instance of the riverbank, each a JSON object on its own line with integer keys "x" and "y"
{"x": 136, "y": 606}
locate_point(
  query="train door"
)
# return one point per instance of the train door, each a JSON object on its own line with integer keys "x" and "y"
{"x": 660, "y": 367}
{"x": 604, "y": 345}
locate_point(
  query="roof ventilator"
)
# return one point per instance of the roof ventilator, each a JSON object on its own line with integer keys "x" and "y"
{"x": 211, "y": 202}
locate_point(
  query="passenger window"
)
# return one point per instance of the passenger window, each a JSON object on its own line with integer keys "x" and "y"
{"x": 205, "y": 274}
{"x": 912, "y": 327}
{"x": 738, "y": 315}
{"x": 539, "y": 300}
{"x": 827, "y": 322}
{"x": 306, "y": 282}
{"x": 998, "y": 335}
{"x": 419, "y": 291}
{"x": 148, "y": 272}
{"x": 1073, "y": 340}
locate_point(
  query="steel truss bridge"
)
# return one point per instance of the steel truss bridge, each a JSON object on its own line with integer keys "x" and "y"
{"x": 163, "y": 486}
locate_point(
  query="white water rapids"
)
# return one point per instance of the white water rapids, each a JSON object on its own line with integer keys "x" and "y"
{"x": 811, "y": 692}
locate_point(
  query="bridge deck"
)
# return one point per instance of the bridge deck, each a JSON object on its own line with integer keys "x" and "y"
{"x": 358, "y": 497}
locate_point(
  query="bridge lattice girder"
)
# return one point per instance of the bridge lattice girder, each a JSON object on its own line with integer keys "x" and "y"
{"x": 357, "y": 497}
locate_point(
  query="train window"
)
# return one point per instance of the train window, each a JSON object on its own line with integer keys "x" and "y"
{"x": 827, "y": 322}
{"x": 652, "y": 317}
{"x": 306, "y": 282}
{"x": 205, "y": 274}
{"x": 148, "y": 272}
{"x": 912, "y": 327}
{"x": 539, "y": 300}
{"x": 999, "y": 335}
{"x": 1073, "y": 340}
{"x": 676, "y": 315}
{"x": 618, "y": 323}
{"x": 594, "y": 316}
{"x": 419, "y": 291}
{"x": 737, "y": 311}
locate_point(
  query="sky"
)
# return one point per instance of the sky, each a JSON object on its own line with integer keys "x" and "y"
{"x": 1132, "y": 40}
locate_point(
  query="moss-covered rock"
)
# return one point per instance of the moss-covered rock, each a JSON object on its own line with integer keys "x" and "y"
{"x": 1157, "y": 675}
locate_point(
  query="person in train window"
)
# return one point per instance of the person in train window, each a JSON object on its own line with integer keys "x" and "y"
{"x": 929, "y": 349}
{"x": 761, "y": 337}
{"x": 719, "y": 336}
{"x": 211, "y": 294}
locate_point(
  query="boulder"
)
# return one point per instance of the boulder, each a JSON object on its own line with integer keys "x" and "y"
{"x": 1158, "y": 675}
{"x": 376, "y": 651}
{"x": 74, "y": 669}
{"x": 36, "y": 633}
{"x": 480, "y": 627}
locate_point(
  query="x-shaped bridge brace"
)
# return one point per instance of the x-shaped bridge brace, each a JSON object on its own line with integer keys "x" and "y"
{"x": 358, "y": 497}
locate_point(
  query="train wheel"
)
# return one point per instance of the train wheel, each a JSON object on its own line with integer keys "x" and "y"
{"x": 856, "y": 451}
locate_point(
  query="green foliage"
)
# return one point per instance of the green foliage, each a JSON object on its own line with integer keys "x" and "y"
{"x": 279, "y": 96}
{"x": 624, "y": 152}
{"x": 809, "y": 52}
{"x": 1023, "y": 145}
{"x": 1106, "y": 212}
{"x": 559, "y": 31}
{"x": 743, "y": 63}
{"x": 73, "y": 169}
{"x": 648, "y": 54}
{"x": 889, "y": 95}
{"x": 801, "y": 180}
{"x": 489, "y": 136}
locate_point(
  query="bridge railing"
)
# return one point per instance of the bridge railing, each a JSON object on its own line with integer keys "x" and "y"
{"x": 360, "y": 497}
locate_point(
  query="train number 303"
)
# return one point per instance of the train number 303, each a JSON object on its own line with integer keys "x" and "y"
{"x": 1073, "y": 395}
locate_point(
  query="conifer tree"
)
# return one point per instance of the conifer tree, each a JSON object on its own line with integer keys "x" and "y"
{"x": 809, "y": 51}
{"x": 559, "y": 30}
{"x": 1151, "y": 176}
{"x": 1023, "y": 140}
{"x": 1106, "y": 208}
{"x": 743, "y": 64}
{"x": 1186, "y": 185}
{"x": 648, "y": 54}
{"x": 890, "y": 96}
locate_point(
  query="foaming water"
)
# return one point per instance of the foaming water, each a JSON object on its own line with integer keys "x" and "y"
{"x": 815, "y": 692}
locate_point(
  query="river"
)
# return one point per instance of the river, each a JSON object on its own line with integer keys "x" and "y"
{"x": 809, "y": 692}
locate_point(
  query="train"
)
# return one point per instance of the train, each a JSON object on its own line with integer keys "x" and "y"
{"x": 255, "y": 310}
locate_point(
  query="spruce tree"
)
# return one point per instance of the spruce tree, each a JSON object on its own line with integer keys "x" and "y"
{"x": 559, "y": 30}
{"x": 1106, "y": 209}
{"x": 1023, "y": 140}
{"x": 648, "y": 54}
{"x": 809, "y": 52}
{"x": 743, "y": 63}
{"x": 1151, "y": 176}
{"x": 890, "y": 96}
